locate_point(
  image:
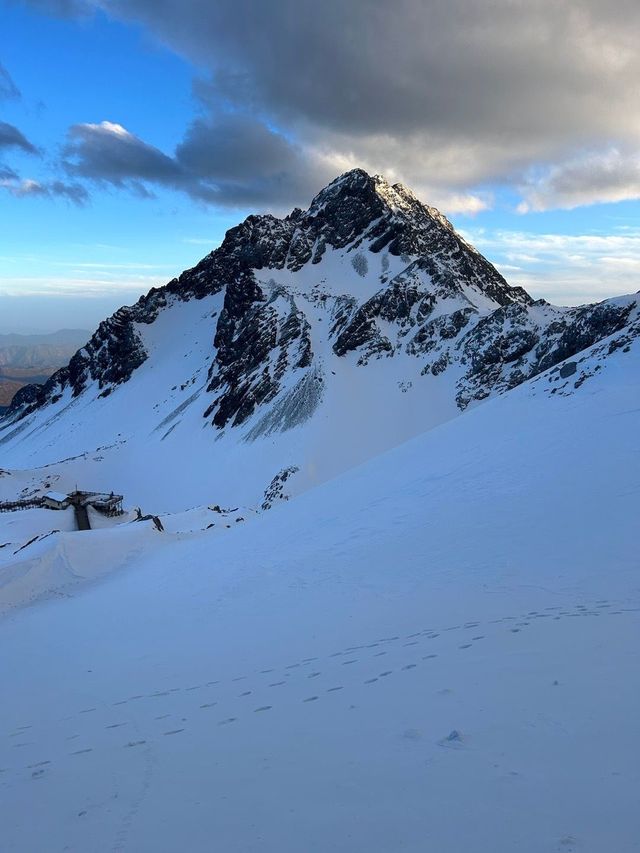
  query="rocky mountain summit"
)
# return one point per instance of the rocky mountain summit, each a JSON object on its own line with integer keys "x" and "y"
{"x": 367, "y": 288}
{"x": 357, "y": 213}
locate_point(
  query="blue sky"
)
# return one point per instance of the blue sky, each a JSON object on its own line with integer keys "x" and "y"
{"x": 152, "y": 128}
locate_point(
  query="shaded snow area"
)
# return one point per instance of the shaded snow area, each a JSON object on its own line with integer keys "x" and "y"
{"x": 437, "y": 650}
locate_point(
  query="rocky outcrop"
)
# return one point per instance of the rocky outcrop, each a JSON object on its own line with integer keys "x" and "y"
{"x": 514, "y": 344}
{"x": 109, "y": 358}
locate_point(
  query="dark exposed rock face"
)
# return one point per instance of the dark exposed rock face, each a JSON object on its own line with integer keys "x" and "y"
{"x": 443, "y": 305}
{"x": 257, "y": 340}
{"x": 114, "y": 351}
{"x": 512, "y": 345}
{"x": 275, "y": 491}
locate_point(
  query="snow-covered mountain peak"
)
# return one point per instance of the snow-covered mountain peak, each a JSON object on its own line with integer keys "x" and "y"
{"x": 309, "y": 342}
{"x": 358, "y": 201}
{"x": 371, "y": 190}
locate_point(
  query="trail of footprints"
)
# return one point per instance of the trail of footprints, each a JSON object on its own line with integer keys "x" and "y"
{"x": 417, "y": 641}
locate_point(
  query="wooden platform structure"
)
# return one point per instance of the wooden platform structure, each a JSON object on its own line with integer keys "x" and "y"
{"x": 28, "y": 503}
{"x": 108, "y": 504}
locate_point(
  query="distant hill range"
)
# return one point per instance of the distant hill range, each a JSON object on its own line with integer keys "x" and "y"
{"x": 28, "y": 359}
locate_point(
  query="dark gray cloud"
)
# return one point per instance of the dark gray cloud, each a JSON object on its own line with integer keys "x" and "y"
{"x": 11, "y": 137}
{"x": 440, "y": 93}
{"x": 232, "y": 160}
{"x": 108, "y": 152}
{"x": 495, "y": 84}
{"x": 8, "y": 89}
{"x": 29, "y": 188}
{"x": 61, "y": 8}
{"x": 73, "y": 192}
{"x": 238, "y": 160}
{"x": 7, "y": 173}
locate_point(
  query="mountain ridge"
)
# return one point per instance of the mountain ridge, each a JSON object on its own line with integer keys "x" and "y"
{"x": 309, "y": 342}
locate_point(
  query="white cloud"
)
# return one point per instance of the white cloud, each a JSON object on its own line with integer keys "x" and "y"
{"x": 76, "y": 287}
{"x": 563, "y": 268}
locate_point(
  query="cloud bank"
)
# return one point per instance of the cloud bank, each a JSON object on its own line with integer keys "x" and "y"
{"x": 450, "y": 97}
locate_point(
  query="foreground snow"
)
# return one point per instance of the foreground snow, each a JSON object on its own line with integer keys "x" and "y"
{"x": 436, "y": 651}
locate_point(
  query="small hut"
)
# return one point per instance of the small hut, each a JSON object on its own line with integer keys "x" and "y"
{"x": 55, "y": 500}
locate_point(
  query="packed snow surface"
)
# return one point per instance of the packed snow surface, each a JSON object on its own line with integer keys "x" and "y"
{"x": 376, "y": 585}
{"x": 437, "y": 650}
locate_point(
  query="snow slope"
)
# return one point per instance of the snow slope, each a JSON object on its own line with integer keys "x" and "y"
{"x": 437, "y": 650}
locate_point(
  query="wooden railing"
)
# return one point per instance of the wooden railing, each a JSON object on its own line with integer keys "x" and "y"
{"x": 28, "y": 503}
